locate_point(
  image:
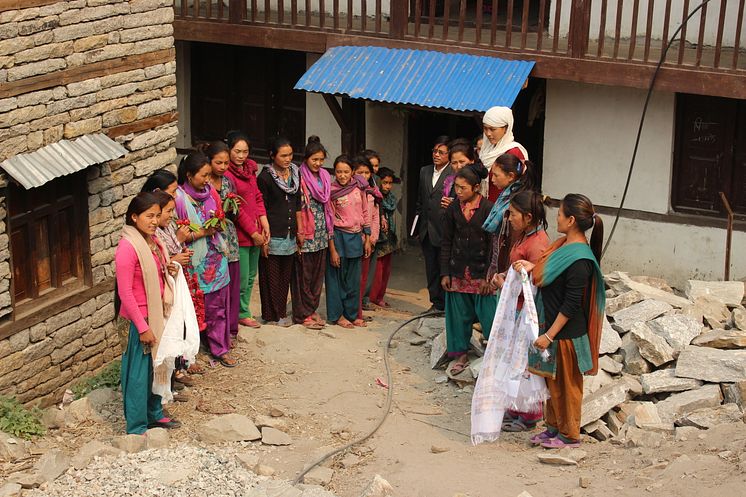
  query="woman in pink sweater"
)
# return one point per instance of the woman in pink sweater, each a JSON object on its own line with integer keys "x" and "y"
{"x": 364, "y": 168}
{"x": 252, "y": 226}
{"x": 348, "y": 245}
{"x": 143, "y": 298}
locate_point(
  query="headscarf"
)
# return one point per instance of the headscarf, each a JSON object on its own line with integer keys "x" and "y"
{"x": 495, "y": 218}
{"x": 293, "y": 183}
{"x": 356, "y": 182}
{"x": 499, "y": 117}
{"x": 321, "y": 193}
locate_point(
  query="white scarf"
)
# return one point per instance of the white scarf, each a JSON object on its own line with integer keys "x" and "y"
{"x": 499, "y": 117}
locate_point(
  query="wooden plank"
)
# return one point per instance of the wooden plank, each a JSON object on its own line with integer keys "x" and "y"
{"x": 141, "y": 125}
{"x": 280, "y": 11}
{"x": 313, "y": 41}
{"x": 399, "y": 22}
{"x": 633, "y": 30}
{"x": 267, "y": 10}
{"x": 378, "y": 15}
{"x": 184, "y": 8}
{"x": 461, "y": 18}
{"x": 254, "y": 10}
{"x": 509, "y": 24}
{"x": 236, "y": 10}
{"x": 666, "y": 22}
{"x": 335, "y": 13}
{"x": 721, "y": 24}
{"x": 322, "y": 14}
{"x": 493, "y": 23}
{"x": 308, "y": 12}
{"x": 294, "y": 13}
{"x": 602, "y": 28}
{"x": 24, "y": 4}
{"x": 542, "y": 13}
{"x": 648, "y": 30}
{"x": 604, "y": 72}
{"x": 417, "y": 17}
{"x": 557, "y": 16}
{"x": 89, "y": 71}
{"x": 701, "y": 36}
{"x": 618, "y": 30}
{"x": 478, "y": 27}
{"x": 349, "y": 15}
{"x": 739, "y": 26}
{"x": 524, "y": 24}
{"x": 446, "y": 19}
{"x": 363, "y": 15}
{"x": 431, "y": 20}
{"x": 682, "y": 35}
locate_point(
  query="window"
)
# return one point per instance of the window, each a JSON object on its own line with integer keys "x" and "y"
{"x": 710, "y": 155}
{"x": 48, "y": 238}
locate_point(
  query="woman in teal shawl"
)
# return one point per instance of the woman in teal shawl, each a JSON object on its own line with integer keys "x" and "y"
{"x": 570, "y": 304}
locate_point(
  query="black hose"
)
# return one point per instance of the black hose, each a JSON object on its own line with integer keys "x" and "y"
{"x": 642, "y": 121}
{"x": 386, "y": 407}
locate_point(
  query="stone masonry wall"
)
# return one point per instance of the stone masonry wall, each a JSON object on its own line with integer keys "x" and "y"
{"x": 127, "y": 49}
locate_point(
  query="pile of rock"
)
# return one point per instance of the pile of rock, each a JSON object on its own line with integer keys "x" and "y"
{"x": 669, "y": 359}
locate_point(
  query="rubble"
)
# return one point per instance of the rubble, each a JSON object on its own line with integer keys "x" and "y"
{"x": 378, "y": 487}
{"x": 677, "y": 404}
{"x": 640, "y": 313}
{"x": 319, "y": 476}
{"x": 738, "y": 318}
{"x": 621, "y": 282}
{"x": 603, "y": 400}
{"x": 728, "y": 292}
{"x": 609, "y": 365}
{"x": 92, "y": 450}
{"x": 12, "y": 448}
{"x": 677, "y": 329}
{"x": 713, "y": 365}
{"x": 610, "y": 339}
{"x": 272, "y": 436}
{"x": 622, "y": 301}
{"x": 438, "y": 351}
{"x": 722, "y": 339}
{"x": 634, "y": 363}
{"x": 229, "y": 428}
{"x": 665, "y": 380}
{"x": 651, "y": 346}
{"x": 712, "y": 416}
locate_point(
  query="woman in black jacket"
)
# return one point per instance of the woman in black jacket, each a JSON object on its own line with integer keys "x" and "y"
{"x": 464, "y": 260}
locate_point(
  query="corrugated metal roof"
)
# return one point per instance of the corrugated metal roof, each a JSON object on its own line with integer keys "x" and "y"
{"x": 61, "y": 158}
{"x": 418, "y": 77}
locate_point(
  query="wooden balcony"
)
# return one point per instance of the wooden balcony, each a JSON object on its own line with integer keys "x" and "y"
{"x": 613, "y": 42}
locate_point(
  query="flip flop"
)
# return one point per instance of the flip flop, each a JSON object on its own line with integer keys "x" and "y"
{"x": 458, "y": 368}
{"x": 542, "y": 437}
{"x": 311, "y": 324}
{"x": 360, "y": 323}
{"x": 344, "y": 323}
{"x": 560, "y": 443}
{"x": 195, "y": 369}
{"x": 517, "y": 425}
{"x": 230, "y": 362}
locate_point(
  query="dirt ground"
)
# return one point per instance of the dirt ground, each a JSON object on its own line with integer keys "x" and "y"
{"x": 326, "y": 387}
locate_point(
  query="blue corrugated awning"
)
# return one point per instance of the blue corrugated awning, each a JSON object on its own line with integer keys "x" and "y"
{"x": 418, "y": 77}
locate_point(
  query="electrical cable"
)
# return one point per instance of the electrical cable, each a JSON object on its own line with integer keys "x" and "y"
{"x": 642, "y": 122}
{"x": 387, "y": 406}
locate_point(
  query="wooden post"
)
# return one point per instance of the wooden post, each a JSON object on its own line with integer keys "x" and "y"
{"x": 580, "y": 21}
{"x": 399, "y": 19}
{"x": 236, "y": 11}
{"x": 344, "y": 125}
{"x": 728, "y": 236}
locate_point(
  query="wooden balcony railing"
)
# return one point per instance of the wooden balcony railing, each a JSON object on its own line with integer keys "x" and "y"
{"x": 628, "y": 31}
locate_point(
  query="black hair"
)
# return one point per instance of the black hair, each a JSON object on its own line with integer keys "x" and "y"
{"x": 190, "y": 165}
{"x": 159, "y": 180}
{"x": 476, "y": 140}
{"x": 140, "y": 203}
{"x": 385, "y": 172}
{"x": 276, "y": 144}
{"x": 462, "y": 146}
{"x": 470, "y": 175}
{"x": 344, "y": 158}
{"x": 212, "y": 149}
{"x": 581, "y": 208}
{"x": 163, "y": 198}
{"x": 362, "y": 160}
{"x": 313, "y": 146}
{"x": 529, "y": 202}
{"x": 235, "y": 136}
{"x": 371, "y": 154}
{"x": 442, "y": 140}
{"x": 523, "y": 170}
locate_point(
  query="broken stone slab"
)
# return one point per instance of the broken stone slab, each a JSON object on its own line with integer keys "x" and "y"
{"x": 621, "y": 282}
{"x": 684, "y": 433}
{"x": 713, "y": 365}
{"x": 640, "y": 313}
{"x": 319, "y": 476}
{"x": 417, "y": 341}
{"x": 10, "y": 490}
{"x": 53, "y": 418}
{"x": 260, "y": 421}
{"x": 635, "y": 437}
{"x": 593, "y": 383}
{"x": 101, "y": 396}
{"x": 677, "y": 329}
{"x": 613, "y": 422}
{"x": 708, "y": 309}
{"x": 665, "y": 380}
{"x": 610, "y": 339}
{"x": 599, "y": 431}
{"x": 12, "y": 448}
{"x": 274, "y": 488}
{"x": 438, "y": 356}
{"x": 738, "y": 318}
{"x": 229, "y": 428}
{"x": 247, "y": 460}
{"x": 646, "y": 417}
{"x": 475, "y": 367}
{"x": 131, "y": 443}
{"x": 652, "y": 347}
{"x": 734, "y": 393}
{"x": 609, "y": 365}
{"x": 712, "y": 416}
{"x": 603, "y": 400}
{"x": 91, "y": 450}
{"x": 157, "y": 438}
{"x": 47, "y": 469}
{"x": 431, "y": 327}
{"x": 80, "y": 411}
{"x": 378, "y": 487}
{"x": 722, "y": 339}
{"x": 556, "y": 459}
{"x": 728, "y": 292}
{"x": 622, "y": 301}
{"x": 678, "y": 404}
{"x": 264, "y": 470}
{"x": 634, "y": 363}
{"x": 273, "y": 436}
{"x": 654, "y": 282}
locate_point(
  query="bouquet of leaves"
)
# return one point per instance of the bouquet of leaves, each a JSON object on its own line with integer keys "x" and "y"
{"x": 217, "y": 220}
{"x": 186, "y": 222}
{"x": 232, "y": 202}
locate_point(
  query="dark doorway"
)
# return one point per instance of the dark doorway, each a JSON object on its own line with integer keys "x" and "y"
{"x": 425, "y": 126}
{"x": 230, "y": 91}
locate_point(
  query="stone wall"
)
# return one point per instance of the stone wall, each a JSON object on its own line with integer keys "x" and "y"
{"x": 69, "y": 69}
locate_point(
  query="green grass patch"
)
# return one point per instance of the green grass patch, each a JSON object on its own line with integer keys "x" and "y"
{"x": 17, "y": 420}
{"x": 108, "y": 377}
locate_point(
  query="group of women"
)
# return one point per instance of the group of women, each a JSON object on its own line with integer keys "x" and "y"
{"x": 487, "y": 228}
{"x": 298, "y": 228}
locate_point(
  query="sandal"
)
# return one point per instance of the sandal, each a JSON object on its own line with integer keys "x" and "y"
{"x": 344, "y": 323}
{"x": 228, "y": 361}
{"x": 560, "y": 442}
{"x": 517, "y": 425}
{"x": 195, "y": 369}
{"x": 312, "y": 324}
{"x": 383, "y": 304}
{"x": 285, "y": 322}
{"x": 250, "y": 322}
{"x": 459, "y": 368}
{"x": 183, "y": 378}
{"x": 360, "y": 323}
{"x": 369, "y": 306}
{"x": 542, "y": 437}
{"x": 315, "y": 316}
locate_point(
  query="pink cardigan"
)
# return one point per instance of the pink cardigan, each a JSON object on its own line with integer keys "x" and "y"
{"x": 374, "y": 219}
{"x": 131, "y": 286}
{"x": 351, "y": 212}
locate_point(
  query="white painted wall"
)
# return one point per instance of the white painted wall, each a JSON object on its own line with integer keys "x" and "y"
{"x": 677, "y": 9}
{"x": 320, "y": 121}
{"x": 589, "y": 136}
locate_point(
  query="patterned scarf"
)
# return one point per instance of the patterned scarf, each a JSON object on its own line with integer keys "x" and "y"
{"x": 494, "y": 220}
{"x": 321, "y": 193}
{"x": 293, "y": 183}
{"x": 355, "y": 182}
{"x": 389, "y": 207}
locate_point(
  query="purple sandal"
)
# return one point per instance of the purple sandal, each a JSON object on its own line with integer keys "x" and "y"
{"x": 559, "y": 443}
{"x": 543, "y": 437}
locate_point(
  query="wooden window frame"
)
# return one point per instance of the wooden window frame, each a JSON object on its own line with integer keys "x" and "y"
{"x": 80, "y": 239}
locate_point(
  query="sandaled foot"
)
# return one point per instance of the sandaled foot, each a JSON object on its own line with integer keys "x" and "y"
{"x": 250, "y": 322}
{"x": 285, "y": 322}
{"x": 360, "y": 323}
{"x": 560, "y": 442}
{"x": 542, "y": 437}
{"x": 311, "y": 324}
{"x": 228, "y": 361}
{"x": 369, "y": 306}
{"x": 181, "y": 397}
{"x": 518, "y": 425}
{"x": 183, "y": 378}
{"x": 344, "y": 323}
{"x": 195, "y": 369}
{"x": 383, "y": 304}
{"x": 459, "y": 368}
{"x": 315, "y": 316}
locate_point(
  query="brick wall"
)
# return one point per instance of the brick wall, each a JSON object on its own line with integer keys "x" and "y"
{"x": 69, "y": 69}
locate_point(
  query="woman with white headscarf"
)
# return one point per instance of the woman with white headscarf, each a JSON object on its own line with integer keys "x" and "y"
{"x": 497, "y": 125}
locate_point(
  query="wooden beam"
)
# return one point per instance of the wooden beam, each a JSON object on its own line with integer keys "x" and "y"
{"x": 88, "y": 71}
{"x": 344, "y": 125}
{"x": 24, "y": 4}
{"x": 141, "y": 124}
{"x": 302, "y": 40}
{"x": 728, "y": 84}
